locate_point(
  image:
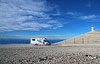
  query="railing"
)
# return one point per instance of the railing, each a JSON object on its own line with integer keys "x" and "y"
{"x": 82, "y": 41}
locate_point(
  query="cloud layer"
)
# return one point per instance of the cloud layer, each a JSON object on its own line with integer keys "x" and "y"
{"x": 26, "y": 15}
{"x": 81, "y": 16}
{"x": 88, "y": 17}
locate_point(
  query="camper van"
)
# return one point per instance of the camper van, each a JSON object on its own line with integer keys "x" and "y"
{"x": 39, "y": 41}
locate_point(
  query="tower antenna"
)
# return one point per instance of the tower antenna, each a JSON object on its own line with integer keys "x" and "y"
{"x": 92, "y": 28}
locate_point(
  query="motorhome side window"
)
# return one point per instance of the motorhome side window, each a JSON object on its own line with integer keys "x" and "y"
{"x": 45, "y": 41}
{"x": 33, "y": 39}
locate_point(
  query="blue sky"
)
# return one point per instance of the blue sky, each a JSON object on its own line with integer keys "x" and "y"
{"x": 53, "y": 19}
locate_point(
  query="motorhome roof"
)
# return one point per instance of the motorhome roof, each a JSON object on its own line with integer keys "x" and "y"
{"x": 38, "y": 38}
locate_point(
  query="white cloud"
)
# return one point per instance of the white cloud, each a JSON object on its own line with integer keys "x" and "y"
{"x": 25, "y": 15}
{"x": 78, "y": 15}
{"x": 88, "y": 17}
{"x": 56, "y": 23}
{"x": 74, "y": 14}
{"x": 71, "y": 13}
{"x": 52, "y": 21}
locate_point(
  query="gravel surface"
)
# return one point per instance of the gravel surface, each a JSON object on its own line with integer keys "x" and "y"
{"x": 28, "y": 54}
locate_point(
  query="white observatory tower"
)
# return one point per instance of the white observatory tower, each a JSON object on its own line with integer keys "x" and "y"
{"x": 92, "y": 28}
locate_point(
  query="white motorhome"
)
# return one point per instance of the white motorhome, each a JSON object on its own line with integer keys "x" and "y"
{"x": 39, "y": 41}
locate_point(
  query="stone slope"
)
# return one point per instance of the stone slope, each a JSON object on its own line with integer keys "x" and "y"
{"x": 87, "y": 38}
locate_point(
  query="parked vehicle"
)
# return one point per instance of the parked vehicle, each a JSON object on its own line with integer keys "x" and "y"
{"x": 39, "y": 41}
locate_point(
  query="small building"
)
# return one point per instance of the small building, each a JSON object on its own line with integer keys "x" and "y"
{"x": 39, "y": 41}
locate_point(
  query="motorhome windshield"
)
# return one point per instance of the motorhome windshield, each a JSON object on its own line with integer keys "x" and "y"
{"x": 33, "y": 39}
{"x": 45, "y": 40}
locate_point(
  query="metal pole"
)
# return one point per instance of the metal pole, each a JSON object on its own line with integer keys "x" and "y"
{"x": 82, "y": 40}
{"x": 74, "y": 40}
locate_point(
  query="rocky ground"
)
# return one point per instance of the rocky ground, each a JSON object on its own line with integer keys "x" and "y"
{"x": 28, "y": 54}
